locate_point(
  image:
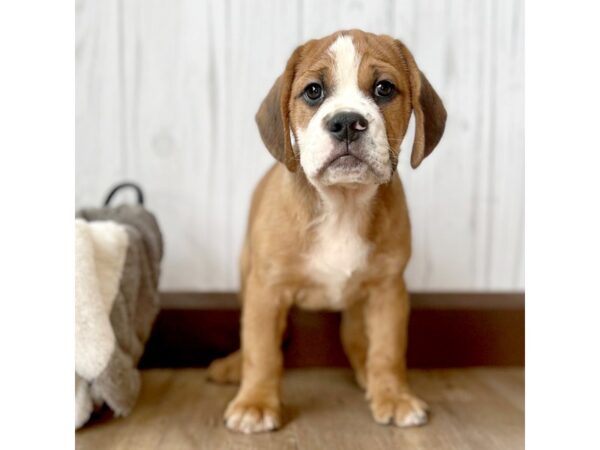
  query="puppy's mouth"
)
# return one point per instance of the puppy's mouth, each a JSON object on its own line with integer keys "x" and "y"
{"x": 343, "y": 158}
{"x": 349, "y": 165}
{"x": 346, "y": 166}
{"x": 346, "y": 161}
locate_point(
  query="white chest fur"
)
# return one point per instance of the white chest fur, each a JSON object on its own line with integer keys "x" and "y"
{"x": 339, "y": 252}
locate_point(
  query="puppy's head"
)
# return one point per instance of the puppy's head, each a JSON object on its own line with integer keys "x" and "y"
{"x": 346, "y": 101}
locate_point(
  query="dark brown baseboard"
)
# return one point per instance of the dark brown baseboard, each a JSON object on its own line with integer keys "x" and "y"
{"x": 446, "y": 330}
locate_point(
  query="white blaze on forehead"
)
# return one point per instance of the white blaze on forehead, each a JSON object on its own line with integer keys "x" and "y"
{"x": 346, "y": 64}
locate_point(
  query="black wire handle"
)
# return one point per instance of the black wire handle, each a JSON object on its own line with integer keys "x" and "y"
{"x": 118, "y": 187}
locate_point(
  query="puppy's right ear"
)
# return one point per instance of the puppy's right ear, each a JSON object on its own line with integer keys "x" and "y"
{"x": 273, "y": 116}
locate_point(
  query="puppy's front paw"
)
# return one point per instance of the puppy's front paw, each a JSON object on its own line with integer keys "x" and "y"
{"x": 403, "y": 410}
{"x": 251, "y": 417}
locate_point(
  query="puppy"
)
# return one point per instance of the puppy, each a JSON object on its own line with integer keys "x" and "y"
{"x": 328, "y": 225}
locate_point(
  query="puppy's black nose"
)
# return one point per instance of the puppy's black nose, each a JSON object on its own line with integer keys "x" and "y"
{"x": 347, "y": 126}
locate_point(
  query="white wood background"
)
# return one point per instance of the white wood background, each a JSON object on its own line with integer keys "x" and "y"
{"x": 166, "y": 93}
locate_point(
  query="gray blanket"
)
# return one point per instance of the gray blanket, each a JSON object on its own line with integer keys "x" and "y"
{"x": 118, "y": 254}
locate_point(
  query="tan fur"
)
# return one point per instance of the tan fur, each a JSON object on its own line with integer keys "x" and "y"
{"x": 282, "y": 234}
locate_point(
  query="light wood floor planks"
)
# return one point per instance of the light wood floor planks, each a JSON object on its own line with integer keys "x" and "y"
{"x": 479, "y": 408}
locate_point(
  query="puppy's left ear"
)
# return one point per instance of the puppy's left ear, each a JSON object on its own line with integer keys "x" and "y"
{"x": 273, "y": 116}
{"x": 430, "y": 114}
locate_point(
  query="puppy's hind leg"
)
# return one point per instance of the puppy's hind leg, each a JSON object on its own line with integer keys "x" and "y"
{"x": 227, "y": 369}
{"x": 354, "y": 340}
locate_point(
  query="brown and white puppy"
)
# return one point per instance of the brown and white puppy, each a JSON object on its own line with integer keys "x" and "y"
{"x": 328, "y": 225}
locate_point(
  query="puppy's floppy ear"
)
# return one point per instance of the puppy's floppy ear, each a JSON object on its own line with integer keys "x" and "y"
{"x": 430, "y": 114}
{"x": 273, "y": 118}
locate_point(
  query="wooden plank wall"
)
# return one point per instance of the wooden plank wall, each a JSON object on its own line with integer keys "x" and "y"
{"x": 166, "y": 93}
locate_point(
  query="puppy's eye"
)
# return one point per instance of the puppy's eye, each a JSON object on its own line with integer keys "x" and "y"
{"x": 384, "y": 90}
{"x": 313, "y": 93}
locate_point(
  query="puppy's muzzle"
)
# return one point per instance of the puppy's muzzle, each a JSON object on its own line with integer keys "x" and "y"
{"x": 347, "y": 126}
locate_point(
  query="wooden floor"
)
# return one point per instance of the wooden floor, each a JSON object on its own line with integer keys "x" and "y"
{"x": 477, "y": 408}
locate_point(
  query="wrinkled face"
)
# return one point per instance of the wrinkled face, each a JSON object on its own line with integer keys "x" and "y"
{"x": 349, "y": 108}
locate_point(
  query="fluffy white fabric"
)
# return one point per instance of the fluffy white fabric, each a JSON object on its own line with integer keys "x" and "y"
{"x": 83, "y": 401}
{"x": 100, "y": 251}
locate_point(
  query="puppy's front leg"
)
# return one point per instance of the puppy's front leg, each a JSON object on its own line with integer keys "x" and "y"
{"x": 256, "y": 406}
{"x": 387, "y": 388}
